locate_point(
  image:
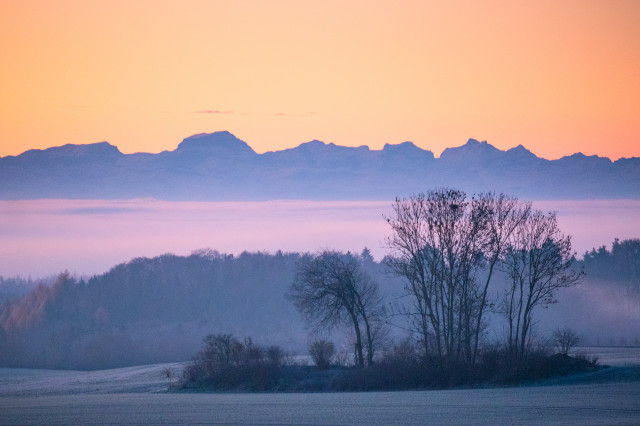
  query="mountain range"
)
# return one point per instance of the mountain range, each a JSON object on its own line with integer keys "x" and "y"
{"x": 220, "y": 167}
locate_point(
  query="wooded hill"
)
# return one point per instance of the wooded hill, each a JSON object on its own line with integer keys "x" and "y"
{"x": 150, "y": 310}
{"x": 157, "y": 310}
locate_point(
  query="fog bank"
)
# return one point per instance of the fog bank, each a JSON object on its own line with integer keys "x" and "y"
{"x": 43, "y": 237}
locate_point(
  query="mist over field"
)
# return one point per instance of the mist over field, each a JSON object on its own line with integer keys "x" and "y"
{"x": 45, "y": 237}
{"x": 157, "y": 307}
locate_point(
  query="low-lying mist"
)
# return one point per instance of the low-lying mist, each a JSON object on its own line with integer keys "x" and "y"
{"x": 44, "y": 237}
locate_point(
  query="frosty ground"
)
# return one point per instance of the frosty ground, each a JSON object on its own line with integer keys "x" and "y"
{"x": 138, "y": 395}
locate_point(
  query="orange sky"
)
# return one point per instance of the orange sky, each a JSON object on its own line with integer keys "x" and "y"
{"x": 556, "y": 76}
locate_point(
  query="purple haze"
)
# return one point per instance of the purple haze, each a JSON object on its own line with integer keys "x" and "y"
{"x": 42, "y": 237}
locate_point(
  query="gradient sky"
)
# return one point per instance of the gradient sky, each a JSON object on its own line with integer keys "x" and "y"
{"x": 556, "y": 76}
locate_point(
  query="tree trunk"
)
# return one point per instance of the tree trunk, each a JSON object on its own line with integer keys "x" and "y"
{"x": 356, "y": 327}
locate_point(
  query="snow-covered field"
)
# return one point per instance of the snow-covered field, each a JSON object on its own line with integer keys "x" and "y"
{"x": 138, "y": 395}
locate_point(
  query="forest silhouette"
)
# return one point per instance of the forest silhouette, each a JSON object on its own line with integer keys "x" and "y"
{"x": 152, "y": 310}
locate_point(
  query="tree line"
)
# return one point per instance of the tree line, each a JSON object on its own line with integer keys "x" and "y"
{"x": 447, "y": 248}
{"x": 455, "y": 263}
{"x": 620, "y": 265}
{"x": 149, "y": 310}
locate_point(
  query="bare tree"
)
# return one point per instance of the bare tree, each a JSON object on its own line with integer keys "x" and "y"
{"x": 505, "y": 214}
{"x": 412, "y": 258}
{"x": 538, "y": 263}
{"x": 440, "y": 243}
{"x": 167, "y": 372}
{"x": 565, "y": 339}
{"x": 332, "y": 289}
{"x": 217, "y": 353}
{"x": 322, "y": 352}
{"x": 418, "y": 254}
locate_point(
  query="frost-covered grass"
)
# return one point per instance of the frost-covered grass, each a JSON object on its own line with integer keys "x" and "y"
{"x": 612, "y": 403}
{"x": 610, "y": 355}
{"x": 140, "y": 379}
{"x": 137, "y": 395}
{"x": 150, "y": 378}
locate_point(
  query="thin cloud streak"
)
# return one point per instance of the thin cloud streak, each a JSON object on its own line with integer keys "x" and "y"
{"x": 286, "y": 114}
{"x": 213, "y": 111}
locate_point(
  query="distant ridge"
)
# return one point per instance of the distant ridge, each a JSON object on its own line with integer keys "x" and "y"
{"x": 219, "y": 166}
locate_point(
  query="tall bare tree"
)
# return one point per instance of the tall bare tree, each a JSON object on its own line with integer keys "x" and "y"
{"x": 441, "y": 241}
{"x": 505, "y": 214}
{"x": 538, "y": 262}
{"x": 437, "y": 244}
{"x": 332, "y": 289}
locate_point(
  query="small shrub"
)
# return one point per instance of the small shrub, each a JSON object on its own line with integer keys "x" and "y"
{"x": 167, "y": 373}
{"x": 403, "y": 352}
{"x": 275, "y": 355}
{"x": 591, "y": 359}
{"x": 228, "y": 363}
{"x": 565, "y": 339}
{"x": 343, "y": 359}
{"x": 493, "y": 363}
{"x": 322, "y": 353}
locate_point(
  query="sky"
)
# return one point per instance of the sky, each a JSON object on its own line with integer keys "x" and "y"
{"x": 558, "y": 77}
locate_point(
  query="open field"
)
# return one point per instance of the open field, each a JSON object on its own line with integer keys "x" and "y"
{"x": 19, "y": 382}
{"x": 593, "y": 404}
{"x": 610, "y": 355}
{"x": 138, "y": 395}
